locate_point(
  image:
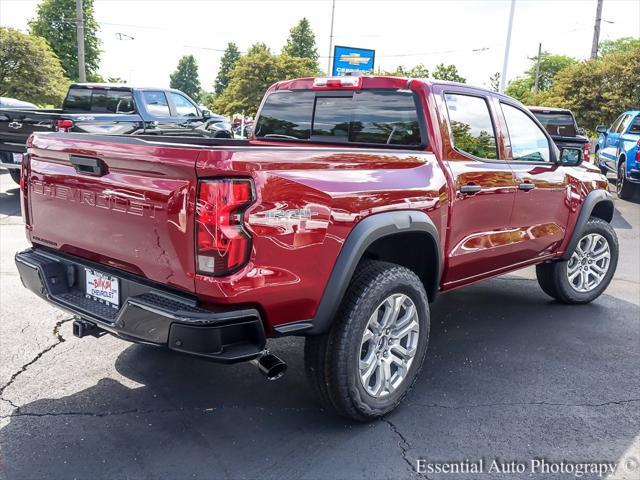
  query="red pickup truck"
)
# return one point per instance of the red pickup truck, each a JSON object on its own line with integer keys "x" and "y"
{"x": 356, "y": 201}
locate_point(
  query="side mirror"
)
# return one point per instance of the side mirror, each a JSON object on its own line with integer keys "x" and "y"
{"x": 580, "y": 131}
{"x": 570, "y": 157}
{"x": 601, "y": 129}
{"x": 206, "y": 114}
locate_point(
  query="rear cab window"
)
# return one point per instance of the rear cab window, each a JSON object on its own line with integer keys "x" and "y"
{"x": 557, "y": 123}
{"x": 99, "y": 100}
{"x": 362, "y": 117}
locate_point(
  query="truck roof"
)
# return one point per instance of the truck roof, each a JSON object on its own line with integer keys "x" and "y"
{"x": 376, "y": 81}
{"x": 120, "y": 86}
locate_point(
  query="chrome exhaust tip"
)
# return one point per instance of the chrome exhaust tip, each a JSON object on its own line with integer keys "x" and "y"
{"x": 270, "y": 366}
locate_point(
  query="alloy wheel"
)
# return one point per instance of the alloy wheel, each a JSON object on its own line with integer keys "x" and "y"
{"x": 389, "y": 345}
{"x": 589, "y": 263}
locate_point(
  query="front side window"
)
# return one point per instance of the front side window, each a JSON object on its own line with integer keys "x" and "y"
{"x": 184, "y": 108}
{"x": 471, "y": 125}
{"x": 528, "y": 142}
{"x": 624, "y": 124}
{"x": 616, "y": 124}
{"x": 387, "y": 117}
{"x": 156, "y": 103}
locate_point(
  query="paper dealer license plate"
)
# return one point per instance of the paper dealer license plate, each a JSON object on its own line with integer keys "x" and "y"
{"x": 102, "y": 287}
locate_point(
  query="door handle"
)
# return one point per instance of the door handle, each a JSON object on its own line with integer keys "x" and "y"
{"x": 88, "y": 165}
{"x": 526, "y": 186}
{"x": 470, "y": 189}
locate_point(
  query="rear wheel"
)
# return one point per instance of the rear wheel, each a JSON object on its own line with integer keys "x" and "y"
{"x": 624, "y": 187}
{"x": 15, "y": 175}
{"x": 369, "y": 360}
{"x": 588, "y": 272}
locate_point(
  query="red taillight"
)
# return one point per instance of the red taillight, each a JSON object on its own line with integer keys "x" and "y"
{"x": 638, "y": 151}
{"x": 64, "y": 125}
{"x": 222, "y": 244}
{"x": 586, "y": 150}
{"x": 24, "y": 175}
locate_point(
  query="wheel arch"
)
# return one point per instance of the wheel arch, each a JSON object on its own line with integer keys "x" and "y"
{"x": 598, "y": 203}
{"x": 388, "y": 237}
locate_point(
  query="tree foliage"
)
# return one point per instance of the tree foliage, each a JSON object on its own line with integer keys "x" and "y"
{"x": 185, "y": 77}
{"x": 56, "y": 22}
{"x": 550, "y": 64}
{"x": 228, "y": 61}
{"x": 621, "y": 44}
{"x": 494, "y": 82}
{"x": 253, "y": 74}
{"x": 598, "y": 90}
{"x": 448, "y": 72}
{"x": 417, "y": 71}
{"x": 29, "y": 70}
{"x": 302, "y": 42}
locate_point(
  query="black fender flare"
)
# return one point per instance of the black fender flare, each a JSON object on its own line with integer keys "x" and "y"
{"x": 360, "y": 238}
{"x": 593, "y": 199}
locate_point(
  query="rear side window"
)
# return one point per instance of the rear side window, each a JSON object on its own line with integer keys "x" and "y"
{"x": 156, "y": 103}
{"x": 635, "y": 126}
{"x": 99, "y": 100}
{"x": 558, "y": 123}
{"x": 383, "y": 117}
{"x": 471, "y": 125}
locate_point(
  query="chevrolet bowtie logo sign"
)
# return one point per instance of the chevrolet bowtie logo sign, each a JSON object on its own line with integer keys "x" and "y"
{"x": 354, "y": 59}
{"x": 15, "y": 125}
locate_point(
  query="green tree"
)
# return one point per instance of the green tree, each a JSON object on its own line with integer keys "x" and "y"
{"x": 598, "y": 90}
{"x": 29, "y": 70}
{"x": 418, "y": 71}
{"x": 622, "y": 44}
{"x": 521, "y": 88}
{"x": 494, "y": 82}
{"x": 301, "y": 42}
{"x": 253, "y": 74}
{"x": 448, "y": 72}
{"x": 56, "y": 22}
{"x": 185, "y": 77}
{"x": 228, "y": 61}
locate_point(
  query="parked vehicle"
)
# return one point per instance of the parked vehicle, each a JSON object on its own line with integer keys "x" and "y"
{"x": 562, "y": 126}
{"x": 6, "y": 102}
{"x": 105, "y": 109}
{"x": 618, "y": 151}
{"x": 356, "y": 201}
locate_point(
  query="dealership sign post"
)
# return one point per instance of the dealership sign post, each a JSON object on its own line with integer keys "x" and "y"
{"x": 349, "y": 60}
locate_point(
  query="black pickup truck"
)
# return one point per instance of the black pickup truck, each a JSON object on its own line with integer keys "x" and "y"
{"x": 562, "y": 126}
{"x": 115, "y": 109}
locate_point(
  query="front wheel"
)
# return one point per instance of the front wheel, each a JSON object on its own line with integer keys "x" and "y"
{"x": 624, "y": 187}
{"x": 369, "y": 360}
{"x": 588, "y": 272}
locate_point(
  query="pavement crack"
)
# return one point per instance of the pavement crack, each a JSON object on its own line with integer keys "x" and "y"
{"x": 59, "y": 339}
{"x": 405, "y": 446}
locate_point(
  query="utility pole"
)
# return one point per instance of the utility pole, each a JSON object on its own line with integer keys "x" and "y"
{"x": 80, "y": 40}
{"x": 503, "y": 77}
{"x": 596, "y": 30}
{"x": 333, "y": 12}
{"x": 535, "y": 84}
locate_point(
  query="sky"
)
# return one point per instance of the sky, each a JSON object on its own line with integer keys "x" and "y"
{"x": 470, "y": 34}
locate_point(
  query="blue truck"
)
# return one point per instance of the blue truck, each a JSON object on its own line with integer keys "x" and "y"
{"x": 618, "y": 151}
{"x": 106, "y": 108}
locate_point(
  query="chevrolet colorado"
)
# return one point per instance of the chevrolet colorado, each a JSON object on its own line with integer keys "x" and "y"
{"x": 106, "y": 109}
{"x": 354, "y": 203}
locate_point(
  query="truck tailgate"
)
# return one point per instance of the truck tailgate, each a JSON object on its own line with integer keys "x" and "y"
{"x": 126, "y": 205}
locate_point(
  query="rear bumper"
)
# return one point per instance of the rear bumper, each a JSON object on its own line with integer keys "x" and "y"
{"x": 147, "y": 314}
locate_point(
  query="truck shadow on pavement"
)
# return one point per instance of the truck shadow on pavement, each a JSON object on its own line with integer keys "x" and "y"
{"x": 508, "y": 374}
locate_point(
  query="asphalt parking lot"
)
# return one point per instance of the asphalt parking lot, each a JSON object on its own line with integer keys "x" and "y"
{"x": 509, "y": 375}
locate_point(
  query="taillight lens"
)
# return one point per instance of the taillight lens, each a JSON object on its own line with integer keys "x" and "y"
{"x": 64, "y": 125}
{"x": 638, "y": 151}
{"x": 586, "y": 150}
{"x": 347, "y": 83}
{"x": 222, "y": 243}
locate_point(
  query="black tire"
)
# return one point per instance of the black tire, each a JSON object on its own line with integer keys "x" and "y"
{"x": 332, "y": 359}
{"x": 15, "y": 175}
{"x": 553, "y": 278}
{"x": 624, "y": 188}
